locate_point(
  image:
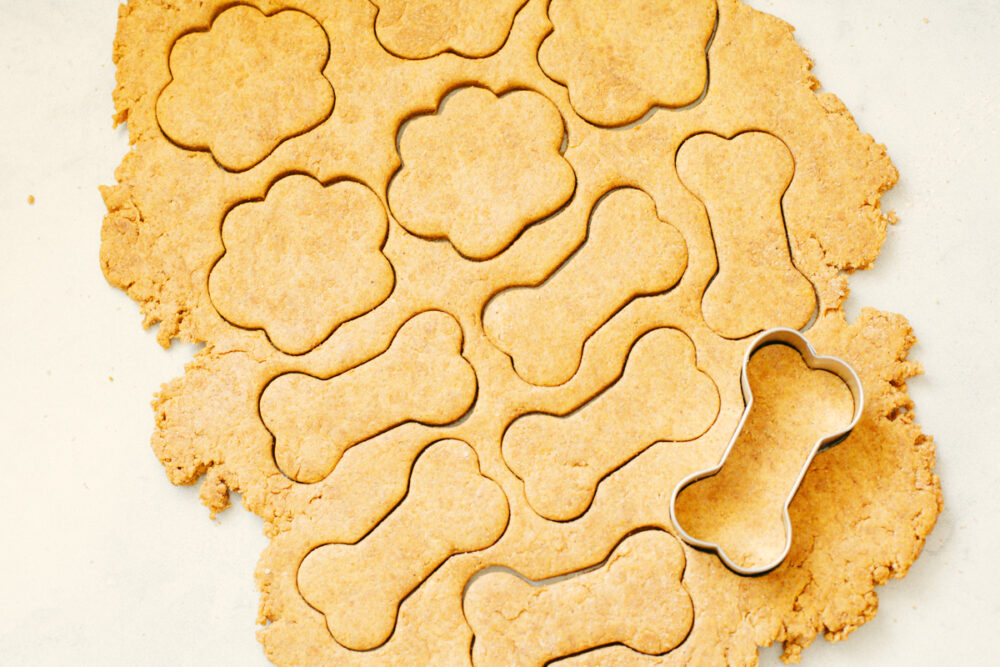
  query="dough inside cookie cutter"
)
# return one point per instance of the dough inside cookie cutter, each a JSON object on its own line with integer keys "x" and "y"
{"x": 813, "y": 361}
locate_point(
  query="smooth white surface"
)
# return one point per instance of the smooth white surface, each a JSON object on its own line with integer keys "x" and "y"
{"x": 105, "y": 563}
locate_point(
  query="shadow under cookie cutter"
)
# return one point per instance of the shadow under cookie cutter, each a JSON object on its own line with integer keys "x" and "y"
{"x": 814, "y": 361}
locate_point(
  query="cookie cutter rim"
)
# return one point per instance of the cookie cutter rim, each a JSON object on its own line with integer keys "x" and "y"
{"x": 835, "y": 365}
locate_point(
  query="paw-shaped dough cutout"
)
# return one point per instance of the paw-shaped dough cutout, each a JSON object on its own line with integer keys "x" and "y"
{"x": 246, "y": 84}
{"x": 620, "y": 59}
{"x": 424, "y": 28}
{"x": 302, "y": 261}
{"x": 481, "y": 169}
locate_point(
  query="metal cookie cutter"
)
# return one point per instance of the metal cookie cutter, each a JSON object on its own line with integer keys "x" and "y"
{"x": 838, "y": 367}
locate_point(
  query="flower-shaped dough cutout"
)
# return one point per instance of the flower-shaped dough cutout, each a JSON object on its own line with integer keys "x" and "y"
{"x": 246, "y": 84}
{"x": 621, "y": 59}
{"x": 481, "y": 169}
{"x": 302, "y": 261}
{"x": 424, "y": 28}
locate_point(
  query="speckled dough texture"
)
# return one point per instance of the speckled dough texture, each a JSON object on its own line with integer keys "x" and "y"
{"x": 469, "y": 318}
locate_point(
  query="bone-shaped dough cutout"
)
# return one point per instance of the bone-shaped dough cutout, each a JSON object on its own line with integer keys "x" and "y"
{"x": 629, "y": 252}
{"x": 245, "y": 85}
{"x": 449, "y": 508}
{"x": 661, "y": 395}
{"x": 741, "y": 508}
{"x": 634, "y": 598}
{"x": 741, "y": 182}
{"x": 421, "y": 377}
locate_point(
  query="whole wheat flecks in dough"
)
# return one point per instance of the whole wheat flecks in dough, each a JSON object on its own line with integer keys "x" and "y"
{"x": 212, "y": 254}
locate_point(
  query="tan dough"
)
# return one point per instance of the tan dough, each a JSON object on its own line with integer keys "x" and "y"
{"x": 741, "y": 182}
{"x": 421, "y": 377}
{"x": 522, "y": 293}
{"x": 634, "y": 598}
{"x": 661, "y": 395}
{"x": 742, "y": 507}
{"x": 234, "y": 106}
{"x": 450, "y": 508}
{"x": 629, "y": 252}
{"x": 424, "y": 28}
{"x": 479, "y": 149}
{"x": 620, "y": 59}
{"x": 303, "y": 243}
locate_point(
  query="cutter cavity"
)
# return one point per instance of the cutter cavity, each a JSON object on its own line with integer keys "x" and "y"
{"x": 791, "y": 413}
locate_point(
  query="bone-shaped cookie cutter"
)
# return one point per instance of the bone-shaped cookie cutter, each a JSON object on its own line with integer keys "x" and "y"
{"x": 814, "y": 361}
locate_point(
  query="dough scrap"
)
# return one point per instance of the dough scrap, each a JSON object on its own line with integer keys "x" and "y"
{"x": 863, "y": 510}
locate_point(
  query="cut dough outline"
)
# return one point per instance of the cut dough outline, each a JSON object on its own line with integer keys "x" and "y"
{"x": 278, "y": 644}
{"x": 813, "y": 361}
{"x": 388, "y": 513}
{"x": 436, "y": 110}
{"x": 221, "y": 9}
{"x": 254, "y": 200}
{"x": 654, "y": 108}
{"x": 465, "y": 415}
{"x": 784, "y": 222}
{"x": 555, "y": 578}
{"x": 620, "y": 185}
{"x": 449, "y": 50}
{"x": 590, "y": 399}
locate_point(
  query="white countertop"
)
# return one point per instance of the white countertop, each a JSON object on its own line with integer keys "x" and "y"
{"x": 105, "y": 563}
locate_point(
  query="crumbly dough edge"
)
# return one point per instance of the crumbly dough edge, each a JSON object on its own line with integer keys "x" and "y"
{"x": 160, "y": 306}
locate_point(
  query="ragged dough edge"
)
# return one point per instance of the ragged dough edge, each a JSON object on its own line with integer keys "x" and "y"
{"x": 130, "y": 268}
{"x": 128, "y": 263}
{"x": 878, "y": 167}
{"x": 839, "y": 595}
{"x": 870, "y": 212}
{"x": 182, "y": 423}
{"x": 131, "y": 260}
